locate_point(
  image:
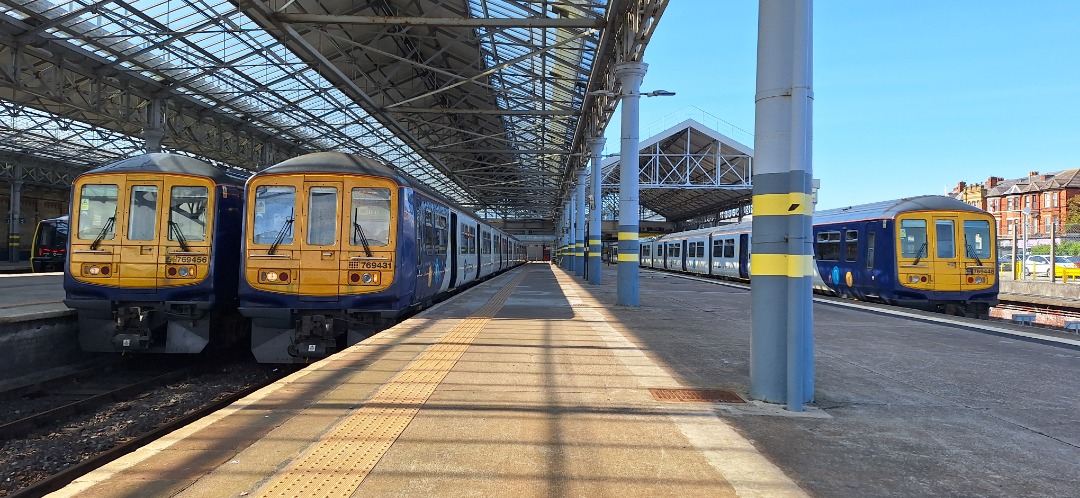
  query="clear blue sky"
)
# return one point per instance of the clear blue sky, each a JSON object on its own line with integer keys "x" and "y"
{"x": 910, "y": 97}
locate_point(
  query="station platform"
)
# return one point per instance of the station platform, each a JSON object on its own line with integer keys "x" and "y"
{"x": 535, "y": 384}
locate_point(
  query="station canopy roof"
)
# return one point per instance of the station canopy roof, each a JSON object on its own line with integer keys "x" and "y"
{"x": 489, "y": 102}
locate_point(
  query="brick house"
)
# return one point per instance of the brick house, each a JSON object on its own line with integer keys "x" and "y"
{"x": 1045, "y": 197}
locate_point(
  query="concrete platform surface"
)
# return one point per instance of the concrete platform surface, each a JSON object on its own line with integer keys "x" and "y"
{"x": 534, "y": 384}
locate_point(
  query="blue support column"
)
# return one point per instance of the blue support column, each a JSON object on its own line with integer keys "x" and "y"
{"x": 630, "y": 75}
{"x": 568, "y": 232}
{"x": 781, "y": 346}
{"x": 579, "y": 227}
{"x": 596, "y": 149}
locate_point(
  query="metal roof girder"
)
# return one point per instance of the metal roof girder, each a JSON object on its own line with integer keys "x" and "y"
{"x": 462, "y": 22}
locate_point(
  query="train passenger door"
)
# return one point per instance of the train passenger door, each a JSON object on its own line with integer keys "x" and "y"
{"x": 320, "y": 240}
{"x": 455, "y": 249}
{"x": 140, "y": 233}
{"x": 682, "y": 255}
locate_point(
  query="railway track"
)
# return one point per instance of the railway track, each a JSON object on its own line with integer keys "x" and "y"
{"x": 69, "y": 430}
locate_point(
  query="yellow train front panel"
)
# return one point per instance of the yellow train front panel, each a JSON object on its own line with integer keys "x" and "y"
{"x": 141, "y": 230}
{"x": 946, "y": 251}
{"x": 320, "y": 235}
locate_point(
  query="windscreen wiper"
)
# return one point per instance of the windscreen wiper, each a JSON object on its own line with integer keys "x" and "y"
{"x": 358, "y": 230}
{"x": 971, "y": 253}
{"x": 104, "y": 230}
{"x": 175, "y": 229}
{"x": 919, "y": 254}
{"x": 281, "y": 234}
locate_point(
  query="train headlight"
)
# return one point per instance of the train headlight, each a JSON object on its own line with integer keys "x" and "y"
{"x": 913, "y": 279}
{"x": 367, "y": 278}
{"x": 270, "y": 276}
{"x": 184, "y": 271}
{"x": 94, "y": 270}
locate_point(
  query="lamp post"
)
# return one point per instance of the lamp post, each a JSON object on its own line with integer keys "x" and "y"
{"x": 1025, "y": 218}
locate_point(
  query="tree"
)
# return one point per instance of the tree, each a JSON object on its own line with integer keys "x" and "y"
{"x": 1072, "y": 215}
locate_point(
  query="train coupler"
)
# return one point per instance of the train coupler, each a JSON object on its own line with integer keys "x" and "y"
{"x": 315, "y": 337}
{"x": 132, "y": 329}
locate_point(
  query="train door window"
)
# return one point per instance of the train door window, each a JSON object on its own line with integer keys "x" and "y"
{"x": 851, "y": 245}
{"x": 701, "y": 249}
{"x": 464, "y": 236}
{"x": 977, "y": 239}
{"x": 322, "y": 216}
{"x": 828, "y": 246}
{"x": 427, "y": 237}
{"x": 274, "y": 207}
{"x": 440, "y": 228}
{"x": 187, "y": 213}
{"x": 913, "y": 238}
{"x": 142, "y": 215}
{"x": 97, "y": 211}
{"x": 729, "y": 248}
{"x": 944, "y": 231}
{"x": 485, "y": 242}
{"x": 370, "y": 214}
{"x": 870, "y": 240}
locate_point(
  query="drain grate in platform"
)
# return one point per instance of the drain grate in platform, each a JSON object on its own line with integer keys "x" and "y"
{"x": 699, "y": 395}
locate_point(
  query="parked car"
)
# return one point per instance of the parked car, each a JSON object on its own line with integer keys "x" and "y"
{"x": 1040, "y": 264}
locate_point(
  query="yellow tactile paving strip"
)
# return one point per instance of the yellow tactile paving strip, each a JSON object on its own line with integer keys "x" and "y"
{"x": 347, "y": 454}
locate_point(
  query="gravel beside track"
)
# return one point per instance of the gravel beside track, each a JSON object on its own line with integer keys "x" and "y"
{"x": 49, "y": 450}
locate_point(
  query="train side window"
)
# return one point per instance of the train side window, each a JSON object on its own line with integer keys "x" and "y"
{"x": 97, "y": 205}
{"x": 977, "y": 239}
{"x": 870, "y": 239}
{"x": 851, "y": 245}
{"x": 701, "y": 249}
{"x": 187, "y": 212}
{"x": 828, "y": 246}
{"x": 463, "y": 239}
{"x": 322, "y": 216}
{"x": 913, "y": 239}
{"x": 946, "y": 243}
{"x": 729, "y": 248}
{"x": 142, "y": 216}
{"x": 717, "y": 248}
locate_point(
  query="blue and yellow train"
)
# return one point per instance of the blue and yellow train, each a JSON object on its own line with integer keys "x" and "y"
{"x": 153, "y": 250}
{"x": 336, "y": 245}
{"x": 930, "y": 252}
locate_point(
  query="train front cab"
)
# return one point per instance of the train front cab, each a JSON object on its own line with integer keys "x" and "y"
{"x": 947, "y": 260}
{"x": 141, "y": 266}
{"x": 319, "y": 261}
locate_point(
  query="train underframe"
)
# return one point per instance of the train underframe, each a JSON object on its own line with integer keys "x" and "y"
{"x": 301, "y": 336}
{"x": 156, "y": 327}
